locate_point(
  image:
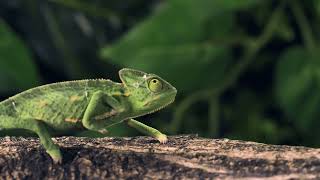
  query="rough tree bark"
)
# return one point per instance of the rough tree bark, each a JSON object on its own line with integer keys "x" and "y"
{"x": 183, "y": 157}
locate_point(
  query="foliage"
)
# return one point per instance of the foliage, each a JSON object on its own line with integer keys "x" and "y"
{"x": 244, "y": 69}
{"x": 16, "y": 68}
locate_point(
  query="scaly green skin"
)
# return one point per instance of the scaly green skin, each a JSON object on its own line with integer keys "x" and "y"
{"x": 60, "y": 108}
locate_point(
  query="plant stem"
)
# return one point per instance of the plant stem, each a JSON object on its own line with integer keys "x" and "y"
{"x": 213, "y": 114}
{"x": 87, "y": 8}
{"x": 304, "y": 25}
{"x": 73, "y": 68}
{"x": 251, "y": 52}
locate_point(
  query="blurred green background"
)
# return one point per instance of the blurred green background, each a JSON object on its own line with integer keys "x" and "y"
{"x": 244, "y": 69}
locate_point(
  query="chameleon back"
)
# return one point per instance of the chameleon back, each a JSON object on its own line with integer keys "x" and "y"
{"x": 60, "y": 105}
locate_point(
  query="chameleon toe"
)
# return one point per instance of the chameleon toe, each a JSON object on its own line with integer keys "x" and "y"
{"x": 56, "y": 156}
{"x": 162, "y": 138}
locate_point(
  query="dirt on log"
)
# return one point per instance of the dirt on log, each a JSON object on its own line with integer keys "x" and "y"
{"x": 183, "y": 157}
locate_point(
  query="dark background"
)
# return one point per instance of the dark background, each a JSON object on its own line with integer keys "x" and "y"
{"x": 246, "y": 69}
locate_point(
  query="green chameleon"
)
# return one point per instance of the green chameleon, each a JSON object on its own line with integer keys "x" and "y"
{"x": 60, "y": 108}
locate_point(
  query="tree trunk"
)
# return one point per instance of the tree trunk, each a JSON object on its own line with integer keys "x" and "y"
{"x": 183, "y": 157}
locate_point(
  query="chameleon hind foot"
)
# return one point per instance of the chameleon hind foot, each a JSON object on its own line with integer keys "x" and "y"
{"x": 38, "y": 127}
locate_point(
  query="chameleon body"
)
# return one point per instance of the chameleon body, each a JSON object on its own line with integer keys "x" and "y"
{"x": 61, "y": 108}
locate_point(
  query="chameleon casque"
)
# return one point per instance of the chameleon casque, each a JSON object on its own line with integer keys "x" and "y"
{"x": 60, "y": 108}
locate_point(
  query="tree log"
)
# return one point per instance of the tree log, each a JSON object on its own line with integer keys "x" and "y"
{"x": 183, "y": 157}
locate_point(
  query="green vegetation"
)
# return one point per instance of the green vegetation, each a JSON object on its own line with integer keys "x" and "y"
{"x": 246, "y": 69}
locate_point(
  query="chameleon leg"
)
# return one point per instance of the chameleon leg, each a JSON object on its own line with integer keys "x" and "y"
{"x": 8, "y": 122}
{"x": 99, "y": 109}
{"x": 147, "y": 130}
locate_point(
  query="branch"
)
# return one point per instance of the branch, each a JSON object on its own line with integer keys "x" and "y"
{"x": 183, "y": 157}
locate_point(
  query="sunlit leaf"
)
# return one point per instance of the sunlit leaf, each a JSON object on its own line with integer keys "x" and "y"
{"x": 175, "y": 42}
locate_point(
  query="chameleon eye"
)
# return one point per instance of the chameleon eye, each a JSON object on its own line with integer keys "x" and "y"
{"x": 155, "y": 85}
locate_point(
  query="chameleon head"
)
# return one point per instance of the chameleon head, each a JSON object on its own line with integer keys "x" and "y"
{"x": 147, "y": 92}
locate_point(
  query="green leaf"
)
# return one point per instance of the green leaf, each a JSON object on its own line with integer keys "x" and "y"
{"x": 232, "y": 4}
{"x": 298, "y": 86}
{"x": 175, "y": 43}
{"x": 187, "y": 67}
{"x": 316, "y": 4}
{"x": 17, "y": 70}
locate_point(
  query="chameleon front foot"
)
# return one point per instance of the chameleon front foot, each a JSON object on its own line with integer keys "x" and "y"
{"x": 162, "y": 138}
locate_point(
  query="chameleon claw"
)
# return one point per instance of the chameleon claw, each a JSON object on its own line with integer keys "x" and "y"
{"x": 57, "y": 160}
{"x": 55, "y": 156}
{"x": 162, "y": 138}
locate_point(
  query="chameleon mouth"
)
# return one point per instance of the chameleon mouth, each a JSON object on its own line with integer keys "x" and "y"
{"x": 151, "y": 101}
{"x": 161, "y": 107}
{"x": 157, "y": 109}
{"x": 170, "y": 98}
